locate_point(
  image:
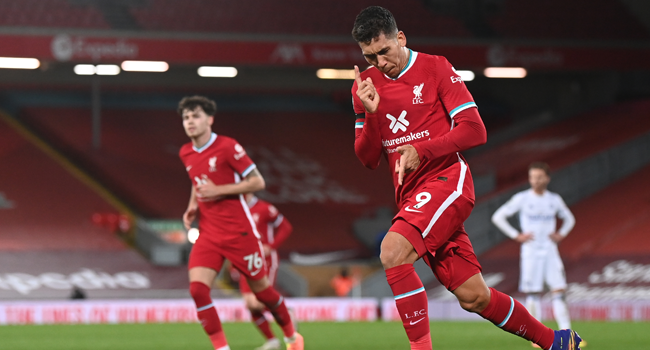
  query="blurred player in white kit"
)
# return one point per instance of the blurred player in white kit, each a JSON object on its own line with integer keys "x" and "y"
{"x": 540, "y": 259}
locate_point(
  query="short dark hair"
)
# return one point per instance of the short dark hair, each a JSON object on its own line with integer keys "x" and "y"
{"x": 371, "y": 22}
{"x": 540, "y": 165}
{"x": 191, "y": 102}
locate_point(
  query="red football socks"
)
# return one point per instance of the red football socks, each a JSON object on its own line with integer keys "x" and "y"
{"x": 511, "y": 316}
{"x": 412, "y": 304}
{"x": 275, "y": 303}
{"x": 207, "y": 314}
{"x": 262, "y": 324}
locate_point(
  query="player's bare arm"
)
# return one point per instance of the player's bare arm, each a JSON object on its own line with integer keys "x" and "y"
{"x": 208, "y": 190}
{"x": 366, "y": 92}
{"x": 192, "y": 209}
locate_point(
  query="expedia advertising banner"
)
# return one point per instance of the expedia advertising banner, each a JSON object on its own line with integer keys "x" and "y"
{"x": 76, "y": 48}
{"x": 99, "y": 274}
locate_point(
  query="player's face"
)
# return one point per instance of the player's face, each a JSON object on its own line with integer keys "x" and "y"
{"x": 196, "y": 122}
{"x": 538, "y": 180}
{"x": 387, "y": 54}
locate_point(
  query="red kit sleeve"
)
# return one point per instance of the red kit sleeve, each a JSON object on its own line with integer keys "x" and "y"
{"x": 468, "y": 129}
{"x": 283, "y": 229}
{"x": 238, "y": 159}
{"x": 468, "y": 132}
{"x": 367, "y": 139}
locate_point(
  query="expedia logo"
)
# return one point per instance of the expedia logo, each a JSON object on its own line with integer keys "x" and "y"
{"x": 65, "y": 48}
{"x": 456, "y": 79}
{"x": 399, "y": 123}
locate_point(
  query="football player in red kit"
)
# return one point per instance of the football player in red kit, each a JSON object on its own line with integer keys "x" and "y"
{"x": 414, "y": 109}
{"x": 274, "y": 229}
{"x": 221, "y": 172}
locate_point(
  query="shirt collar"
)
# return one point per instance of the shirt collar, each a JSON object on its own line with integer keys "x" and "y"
{"x": 413, "y": 55}
{"x": 213, "y": 137}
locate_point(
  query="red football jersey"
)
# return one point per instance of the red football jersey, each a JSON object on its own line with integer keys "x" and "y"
{"x": 272, "y": 226}
{"x": 418, "y": 105}
{"x": 223, "y": 161}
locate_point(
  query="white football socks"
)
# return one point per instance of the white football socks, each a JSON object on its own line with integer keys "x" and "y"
{"x": 534, "y": 305}
{"x": 561, "y": 311}
{"x": 290, "y": 339}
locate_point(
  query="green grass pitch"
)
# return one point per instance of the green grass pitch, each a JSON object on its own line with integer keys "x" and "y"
{"x": 318, "y": 336}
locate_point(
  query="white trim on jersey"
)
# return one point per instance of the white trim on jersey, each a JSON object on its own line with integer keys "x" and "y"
{"x": 242, "y": 200}
{"x": 278, "y": 220}
{"x": 461, "y": 108}
{"x": 412, "y": 57}
{"x": 452, "y": 197}
{"x": 248, "y": 170}
{"x": 213, "y": 137}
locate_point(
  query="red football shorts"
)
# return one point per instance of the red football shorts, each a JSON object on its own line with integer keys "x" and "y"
{"x": 432, "y": 220}
{"x": 272, "y": 268}
{"x": 244, "y": 252}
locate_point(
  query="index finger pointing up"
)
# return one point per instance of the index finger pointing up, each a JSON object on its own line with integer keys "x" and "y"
{"x": 357, "y": 75}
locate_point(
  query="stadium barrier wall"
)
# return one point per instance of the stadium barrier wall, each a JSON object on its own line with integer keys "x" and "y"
{"x": 632, "y": 310}
{"x": 306, "y": 310}
{"x": 176, "y": 311}
{"x": 158, "y": 251}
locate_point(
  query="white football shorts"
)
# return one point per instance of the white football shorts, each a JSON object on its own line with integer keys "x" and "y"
{"x": 539, "y": 270}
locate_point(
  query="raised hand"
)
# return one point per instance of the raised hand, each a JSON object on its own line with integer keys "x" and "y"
{"x": 189, "y": 216}
{"x": 408, "y": 161}
{"x": 556, "y": 237}
{"x": 207, "y": 190}
{"x": 366, "y": 92}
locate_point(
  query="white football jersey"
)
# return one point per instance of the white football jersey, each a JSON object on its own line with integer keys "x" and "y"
{"x": 537, "y": 215}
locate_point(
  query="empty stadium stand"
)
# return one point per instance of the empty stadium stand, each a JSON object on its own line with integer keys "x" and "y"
{"x": 48, "y": 240}
{"x": 51, "y": 204}
{"x": 555, "y": 19}
{"x": 419, "y": 18}
{"x": 562, "y": 143}
{"x": 50, "y": 14}
{"x": 138, "y": 158}
{"x": 287, "y": 17}
{"x": 614, "y": 222}
{"x": 311, "y": 172}
{"x": 305, "y": 170}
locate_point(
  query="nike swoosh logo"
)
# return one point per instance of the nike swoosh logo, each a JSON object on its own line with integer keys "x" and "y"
{"x": 188, "y": 168}
{"x": 412, "y": 323}
{"x": 412, "y": 210}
